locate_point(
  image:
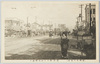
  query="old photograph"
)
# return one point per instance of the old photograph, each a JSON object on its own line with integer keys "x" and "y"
{"x": 50, "y": 30}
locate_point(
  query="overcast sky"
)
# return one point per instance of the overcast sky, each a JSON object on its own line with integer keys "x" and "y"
{"x": 53, "y": 12}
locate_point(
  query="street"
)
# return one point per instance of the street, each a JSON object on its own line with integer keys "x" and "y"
{"x": 59, "y": 31}
{"x": 39, "y": 47}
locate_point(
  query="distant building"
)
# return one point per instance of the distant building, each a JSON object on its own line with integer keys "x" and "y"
{"x": 8, "y": 24}
{"x": 12, "y": 25}
{"x": 35, "y": 26}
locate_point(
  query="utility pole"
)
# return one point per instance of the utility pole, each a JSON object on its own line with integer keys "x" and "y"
{"x": 49, "y": 25}
{"x": 81, "y": 6}
{"x": 81, "y": 17}
{"x": 77, "y": 23}
{"x": 27, "y": 21}
{"x": 90, "y": 17}
{"x": 43, "y": 24}
{"x": 27, "y": 26}
{"x": 55, "y": 28}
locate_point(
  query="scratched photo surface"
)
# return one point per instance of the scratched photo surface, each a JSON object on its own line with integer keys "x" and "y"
{"x": 49, "y": 30}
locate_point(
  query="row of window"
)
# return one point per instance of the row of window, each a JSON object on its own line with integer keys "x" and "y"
{"x": 93, "y": 19}
{"x": 92, "y": 11}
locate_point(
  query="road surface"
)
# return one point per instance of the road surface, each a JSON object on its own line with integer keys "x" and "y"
{"x": 39, "y": 47}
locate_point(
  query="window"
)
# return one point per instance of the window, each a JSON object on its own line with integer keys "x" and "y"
{"x": 93, "y": 19}
{"x": 93, "y": 11}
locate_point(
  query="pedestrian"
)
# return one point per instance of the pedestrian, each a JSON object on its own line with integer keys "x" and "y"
{"x": 64, "y": 45}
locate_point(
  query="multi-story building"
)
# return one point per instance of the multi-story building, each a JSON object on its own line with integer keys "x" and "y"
{"x": 90, "y": 16}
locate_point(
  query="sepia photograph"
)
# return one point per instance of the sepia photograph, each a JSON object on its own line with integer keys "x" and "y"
{"x": 50, "y": 30}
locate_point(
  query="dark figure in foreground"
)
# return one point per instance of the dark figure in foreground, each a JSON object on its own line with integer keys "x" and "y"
{"x": 64, "y": 44}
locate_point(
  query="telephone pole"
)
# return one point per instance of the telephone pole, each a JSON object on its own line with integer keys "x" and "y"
{"x": 49, "y": 25}
{"x": 81, "y": 6}
{"x": 90, "y": 17}
{"x": 55, "y": 28}
{"x": 77, "y": 23}
{"x": 27, "y": 21}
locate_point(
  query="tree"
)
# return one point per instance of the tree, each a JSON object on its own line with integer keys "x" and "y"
{"x": 62, "y": 27}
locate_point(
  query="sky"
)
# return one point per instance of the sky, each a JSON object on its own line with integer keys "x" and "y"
{"x": 44, "y": 12}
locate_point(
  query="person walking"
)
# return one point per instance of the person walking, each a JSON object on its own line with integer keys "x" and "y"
{"x": 64, "y": 44}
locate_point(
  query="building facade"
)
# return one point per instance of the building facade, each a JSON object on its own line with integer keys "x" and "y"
{"x": 90, "y": 16}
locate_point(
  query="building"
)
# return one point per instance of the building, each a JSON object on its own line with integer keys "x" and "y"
{"x": 35, "y": 26}
{"x": 90, "y": 16}
{"x": 12, "y": 26}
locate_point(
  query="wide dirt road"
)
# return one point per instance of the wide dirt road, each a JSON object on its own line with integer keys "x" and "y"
{"x": 40, "y": 47}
